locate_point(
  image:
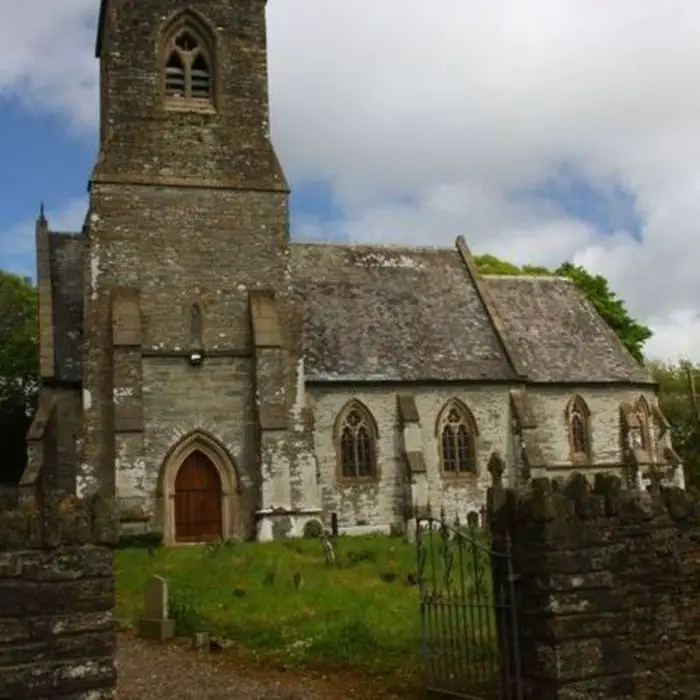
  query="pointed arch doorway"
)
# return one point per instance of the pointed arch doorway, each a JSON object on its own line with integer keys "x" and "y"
{"x": 197, "y": 500}
{"x": 198, "y": 491}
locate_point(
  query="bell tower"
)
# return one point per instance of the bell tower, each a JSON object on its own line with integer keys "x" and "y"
{"x": 184, "y": 93}
{"x": 188, "y": 220}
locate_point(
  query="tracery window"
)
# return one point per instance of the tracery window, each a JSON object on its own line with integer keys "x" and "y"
{"x": 578, "y": 418}
{"x": 457, "y": 435}
{"x": 356, "y": 436}
{"x": 188, "y": 65}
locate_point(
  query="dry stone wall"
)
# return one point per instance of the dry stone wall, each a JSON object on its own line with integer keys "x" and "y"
{"x": 57, "y": 634}
{"x": 608, "y": 585}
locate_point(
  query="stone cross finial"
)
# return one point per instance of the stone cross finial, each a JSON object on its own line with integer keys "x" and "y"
{"x": 655, "y": 478}
{"x": 496, "y": 469}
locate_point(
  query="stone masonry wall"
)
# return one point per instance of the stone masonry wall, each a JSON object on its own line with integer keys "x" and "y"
{"x": 57, "y": 635}
{"x": 143, "y": 137}
{"x": 188, "y": 205}
{"x": 549, "y": 406}
{"x": 608, "y": 588}
{"x": 379, "y": 505}
{"x": 215, "y": 398}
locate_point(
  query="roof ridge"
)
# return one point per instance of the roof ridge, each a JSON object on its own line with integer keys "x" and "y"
{"x": 392, "y": 247}
{"x": 529, "y": 278}
{"x": 491, "y": 310}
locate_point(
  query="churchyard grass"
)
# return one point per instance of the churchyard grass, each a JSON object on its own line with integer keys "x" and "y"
{"x": 362, "y": 611}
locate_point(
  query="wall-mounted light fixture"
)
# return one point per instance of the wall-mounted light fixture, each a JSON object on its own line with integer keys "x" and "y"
{"x": 195, "y": 357}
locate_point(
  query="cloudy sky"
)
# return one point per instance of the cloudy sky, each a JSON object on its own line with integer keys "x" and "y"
{"x": 543, "y": 131}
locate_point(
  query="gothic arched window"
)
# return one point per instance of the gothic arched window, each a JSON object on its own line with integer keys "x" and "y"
{"x": 356, "y": 437}
{"x": 188, "y": 62}
{"x": 578, "y": 419}
{"x": 456, "y": 431}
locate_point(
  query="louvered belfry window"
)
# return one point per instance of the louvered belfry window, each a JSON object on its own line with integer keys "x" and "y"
{"x": 188, "y": 71}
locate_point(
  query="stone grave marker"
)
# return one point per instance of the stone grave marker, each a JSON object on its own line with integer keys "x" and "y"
{"x": 156, "y": 623}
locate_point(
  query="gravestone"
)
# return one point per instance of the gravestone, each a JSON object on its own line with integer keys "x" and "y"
{"x": 156, "y": 623}
{"x": 328, "y": 549}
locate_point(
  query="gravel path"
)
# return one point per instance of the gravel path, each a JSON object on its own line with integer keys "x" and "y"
{"x": 150, "y": 671}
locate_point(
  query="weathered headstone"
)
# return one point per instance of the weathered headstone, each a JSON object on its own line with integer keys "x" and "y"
{"x": 200, "y": 641}
{"x": 328, "y": 549}
{"x": 155, "y": 623}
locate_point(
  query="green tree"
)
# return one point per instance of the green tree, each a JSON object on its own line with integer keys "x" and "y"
{"x": 596, "y": 288}
{"x": 18, "y": 371}
{"x": 675, "y": 398}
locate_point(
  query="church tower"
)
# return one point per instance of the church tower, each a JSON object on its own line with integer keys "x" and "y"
{"x": 184, "y": 94}
{"x": 188, "y": 374}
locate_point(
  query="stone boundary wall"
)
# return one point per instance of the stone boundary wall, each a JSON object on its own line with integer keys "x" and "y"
{"x": 57, "y": 634}
{"x": 608, "y": 585}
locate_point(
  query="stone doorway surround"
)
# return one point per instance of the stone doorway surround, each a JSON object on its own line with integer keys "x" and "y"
{"x": 225, "y": 467}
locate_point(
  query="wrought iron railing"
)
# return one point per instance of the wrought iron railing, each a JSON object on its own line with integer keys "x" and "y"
{"x": 469, "y": 644}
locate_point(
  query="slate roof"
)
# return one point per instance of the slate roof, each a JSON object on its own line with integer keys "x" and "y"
{"x": 66, "y": 255}
{"x": 391, "y": 313}
{"x": 556, "y": 333}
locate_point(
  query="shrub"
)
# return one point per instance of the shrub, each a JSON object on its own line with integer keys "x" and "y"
{"x": 313, "y": 529}
{"x": 184, "y": 611}
{"x": 147, "y": 540}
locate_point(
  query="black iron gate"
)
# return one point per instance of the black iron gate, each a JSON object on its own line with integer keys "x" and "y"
{"x": 469, "y": 631}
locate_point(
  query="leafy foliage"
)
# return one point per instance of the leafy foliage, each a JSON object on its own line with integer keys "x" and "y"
{"x": 596, "y": 288}
{"x": 676, "y": 401}
{"x": 18, "y": 326}
{"x": 18, "y": 371}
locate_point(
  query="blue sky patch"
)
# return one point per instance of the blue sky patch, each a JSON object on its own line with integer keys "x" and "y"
{"x": 46, "y": 161}
{"x": 610, "y": 207}
{"x": 51, "y": 164}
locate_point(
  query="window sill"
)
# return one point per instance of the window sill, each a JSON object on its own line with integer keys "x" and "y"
{"x": 357, "y": 481}
{"x": 458, "y": 476}
{"x": 183, "y": 105}
{"x": 580, "y": 459}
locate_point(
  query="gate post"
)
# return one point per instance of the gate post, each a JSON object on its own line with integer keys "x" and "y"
{"x": 608, "y": 582}
{"x": 505, "y": 582}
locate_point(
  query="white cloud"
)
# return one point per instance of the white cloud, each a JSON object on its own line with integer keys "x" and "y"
{"x": 48, "y": 56}
{"x": 675, "y": 335}
{"x": 425, "y": 114}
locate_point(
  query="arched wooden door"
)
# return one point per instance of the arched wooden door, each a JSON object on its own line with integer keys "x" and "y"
{"x": 197, "y": 500}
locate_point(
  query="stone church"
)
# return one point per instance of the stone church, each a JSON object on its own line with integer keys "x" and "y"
{"x": 226, "y": 381}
